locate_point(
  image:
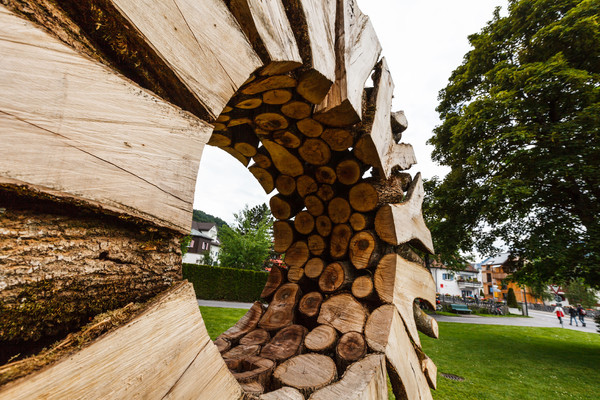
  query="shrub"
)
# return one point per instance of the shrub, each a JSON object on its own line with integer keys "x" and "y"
{"x": 597, "y": 321}
{"x": 511, "y": 299}
{"x": 216, "y": 283}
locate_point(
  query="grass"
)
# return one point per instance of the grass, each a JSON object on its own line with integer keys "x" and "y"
{"x": 497, "y": 362}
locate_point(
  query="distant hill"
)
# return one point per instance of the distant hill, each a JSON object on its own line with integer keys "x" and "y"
{"x": 201, "y": 216}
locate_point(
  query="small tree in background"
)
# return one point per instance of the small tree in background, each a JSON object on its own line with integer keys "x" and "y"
{"x": 577, "y": 292}
{"x": 511, "y": 299}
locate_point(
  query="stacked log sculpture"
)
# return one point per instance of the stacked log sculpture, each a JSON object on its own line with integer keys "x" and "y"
{"x": 105, "y": 109}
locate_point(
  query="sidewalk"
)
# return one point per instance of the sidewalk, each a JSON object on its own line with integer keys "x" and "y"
{"x": 223, "y": 304}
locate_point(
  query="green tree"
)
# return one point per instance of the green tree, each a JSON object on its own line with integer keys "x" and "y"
{"x": 520, "y": 130}
{"x": 247, "y": 244}
{"x": 577, "y": 292}
{"x": 511, "y": 298}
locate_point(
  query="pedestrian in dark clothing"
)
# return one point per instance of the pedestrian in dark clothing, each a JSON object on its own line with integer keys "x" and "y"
{"x": 581, "y": 312}
{"x": 573, "y": 314}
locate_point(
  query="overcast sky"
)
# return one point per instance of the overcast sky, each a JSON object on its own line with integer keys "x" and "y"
{"x": 423, "y": 42}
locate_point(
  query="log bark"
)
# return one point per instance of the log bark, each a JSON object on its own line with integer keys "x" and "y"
{"x": 339, "y": 210}
{"x": 336, "y": 276}
{"x": 364, "y": 250}
{"x": 245, "y": 325}
{"x": 340, "y": 237}
{"x": 280, "y": 312}
{"x": 321, "y": 339}
{"x": 285, "y": 344}
{"x": 310, "y": 304}
{"x": 425, "y": 323}
{"x": 314, "y": 267}
{"x": 306, "y": 372}
{"x": 351, "y": 347}
{"x": 257, "y": 336}
{"x": 343, "y": 312}
{"x": 222, "y": 345}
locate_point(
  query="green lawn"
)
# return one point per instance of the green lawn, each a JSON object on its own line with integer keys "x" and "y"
{"x": 497, "y": 362}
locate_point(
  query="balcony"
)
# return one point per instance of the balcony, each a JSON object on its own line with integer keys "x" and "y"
{"x": 469, "y": 283}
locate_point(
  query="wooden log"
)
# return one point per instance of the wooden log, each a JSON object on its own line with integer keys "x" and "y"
{"x": 364, "y": 250}
{"x": 323, "y": 225}
{"x": 222, "y": 344}
{"x": 310, "y": 304}
{"x": 257, "y": 336}
{"x": 321, "y": 339}
{"x": 400, "y": 282}
{"x": 276, "y": 96}
{"x": 280, "y": 312}
{"x": 338, "y": 243}
{"x": 362, "y": 287}
{"x": 325, "y": 192}
{"x": 285, "y": 393}
{"x": 245, "y": 325}
{"x": 351, "y": 347}
{"x": 306, "y": 372}
{"x": 336, "y": 276}
{"x": 297, "y": 255}
{"x": 241, "y": 352}
{"x": 283, "y": 236}
{"x": 326, "y": 175}
{"x": 249, "y": 103}
{"x": 363, "y": 197}
{"x": 220, "y": 139}
{"x": 269, "y": 83}
{"x": 358, "y": 50}
{"x": 262, "y": 158}
{"x": 268, "y": 29}
{"x": 306, "y": 185}
{"x": 348, "y": 172}
{"x": 252, "y": 389}
{"x": 429, "y": 369}
{"x": 284, "y": 207}
{"x": 339, "y": 210}
{"x": 285, "y": 185}
{"x": 316, "y": 245}
{"x": 360, "y": 222}
{"x": 284, "y": 161}
{"x": 253, "y": 369}
{"x": 295, "y": 274}
{"x": 244, "y": 140}
{"x": 296, "y": 109}
{"x": 270, "y": 121}
{"x": 314, "y": 267}
{"x": 304, "y": 222}
{"x": 314, "y": 205}
{"x": 287, "y": 138}
{"x": 385, "y": 333}
{"x": 233, "y": 122}
{"x": 264, "y": 177}
{"x": 135, "y": 172}
{"x": 309, "y": 127}
{"x": 237, "y": 155}
{"x": 365, "y": 379}
{"x": 425, "y": 323}
{"x": 276, "y": 277}
{"x": 338, "y": 139}
{"x": 399, "y": 124}
{"x": 402, "y": 223}
{"x": 285, "y": 344}
{"x": 315, "y": 151}
{"x": 343, "y": 312}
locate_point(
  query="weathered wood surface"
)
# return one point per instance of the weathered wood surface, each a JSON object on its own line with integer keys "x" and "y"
{"x": 163, "y": 353}
{"x": 66, "y": 119}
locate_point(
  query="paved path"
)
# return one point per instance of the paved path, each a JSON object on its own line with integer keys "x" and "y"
{"x": 223, "y": 304}
{"x": 537, "y": 319}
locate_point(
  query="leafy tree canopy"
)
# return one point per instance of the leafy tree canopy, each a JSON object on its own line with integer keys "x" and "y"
{"x": 577, "y": 292}
{"x": 521, "y": 132}
{"x": 246, "y": 245}
{"x": 201, "y": 216}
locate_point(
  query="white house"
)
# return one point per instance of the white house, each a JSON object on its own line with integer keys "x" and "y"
{"x": 204, "y": 239}
{"x": 457, "y": 283}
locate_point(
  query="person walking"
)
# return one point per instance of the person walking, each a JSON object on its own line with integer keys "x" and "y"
{"x": 582, "y": 313}
{"x": 573, "y": 313}
{"x": 560, "y": 313}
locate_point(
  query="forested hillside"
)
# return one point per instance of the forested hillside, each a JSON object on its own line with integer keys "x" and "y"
{"x": 201, "y": 216}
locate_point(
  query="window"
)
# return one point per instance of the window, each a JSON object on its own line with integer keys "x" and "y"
{"x": 448, "y": 277}
{"x": 191, "y": 244}
{"x": 489, "y": 277}
{"x": 490, "y": 290}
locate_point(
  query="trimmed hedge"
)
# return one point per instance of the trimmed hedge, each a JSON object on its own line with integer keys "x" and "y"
{"x": 230, "y": 284}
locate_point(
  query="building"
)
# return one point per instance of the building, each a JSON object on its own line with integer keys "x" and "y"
{"x": 495, "y": 284}
{"x": 466, "y": 283}
{"x": 204, "y": 239}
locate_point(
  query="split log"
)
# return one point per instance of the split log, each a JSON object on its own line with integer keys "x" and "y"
{"x": 264, "y": 177}
{"x": 362, "y": 287}
{"x": 338, "y": 242}
{"x": 348, "y": 172}
{"x": 314, "y": 205}
{"x": 304, "y": 222}
{"x": 314, "y": 267}
{"x": 351, "y": 347}
{"x": 360, "y": 222}
{"x": 222, "y": 344}
{"x": 336, "y": 276}
{"x": 280, "y": 312}
{"x": 399, "y": 124}
{"x": 339, "y": 210}
{"x": 343, "y": 312}
{"x": 306, "y": 372}
{"x": 401, "y": 223}
{"x": 338, "y": 139}
{"x": 269, "y": 83}
{"x": 268, "y": 29}
{"x": 315, "y": 151}
{"x": 295, "y": 274}
{"x": 276, "y": 96}
{"x": 284, "y": 161}
{"x": 285, "y": 344}
{"x": 283, "y": 236}
{"x": 285, "y": 393}
{"x": 297, "y": 255}
{"x": 240, "y": 352}
{"x": 296, "y": 109}
{"x": 323, "y": 225}
{"x": 364, "y": 250}
{"x": 287, "y": 138}
{"x": 321, "y": 339}
{"x": 245, "y": 325}
{"x": 271, "y": 121}
{"x": 400, "y": 282}
{"x": 253, "y": 369}
{"x": 306, "y": 185}
{"x": 309, "y": 127}
{"x": 276, "y": 277}
{"x": 310, "y": 304}
{"x": 429, "y": 369}
{"x": 425, "y": 323}
{"x": 284, "y": 207}
{"x": 365, "y": 379}
{"x": 385, "y": 333}
{"x": 316, "y": 245}
{"x": 326, "y": 175}
{"x": 285, "y": 185}
{"x": 325, "y": 192}
{"x": 257, "y": 336}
